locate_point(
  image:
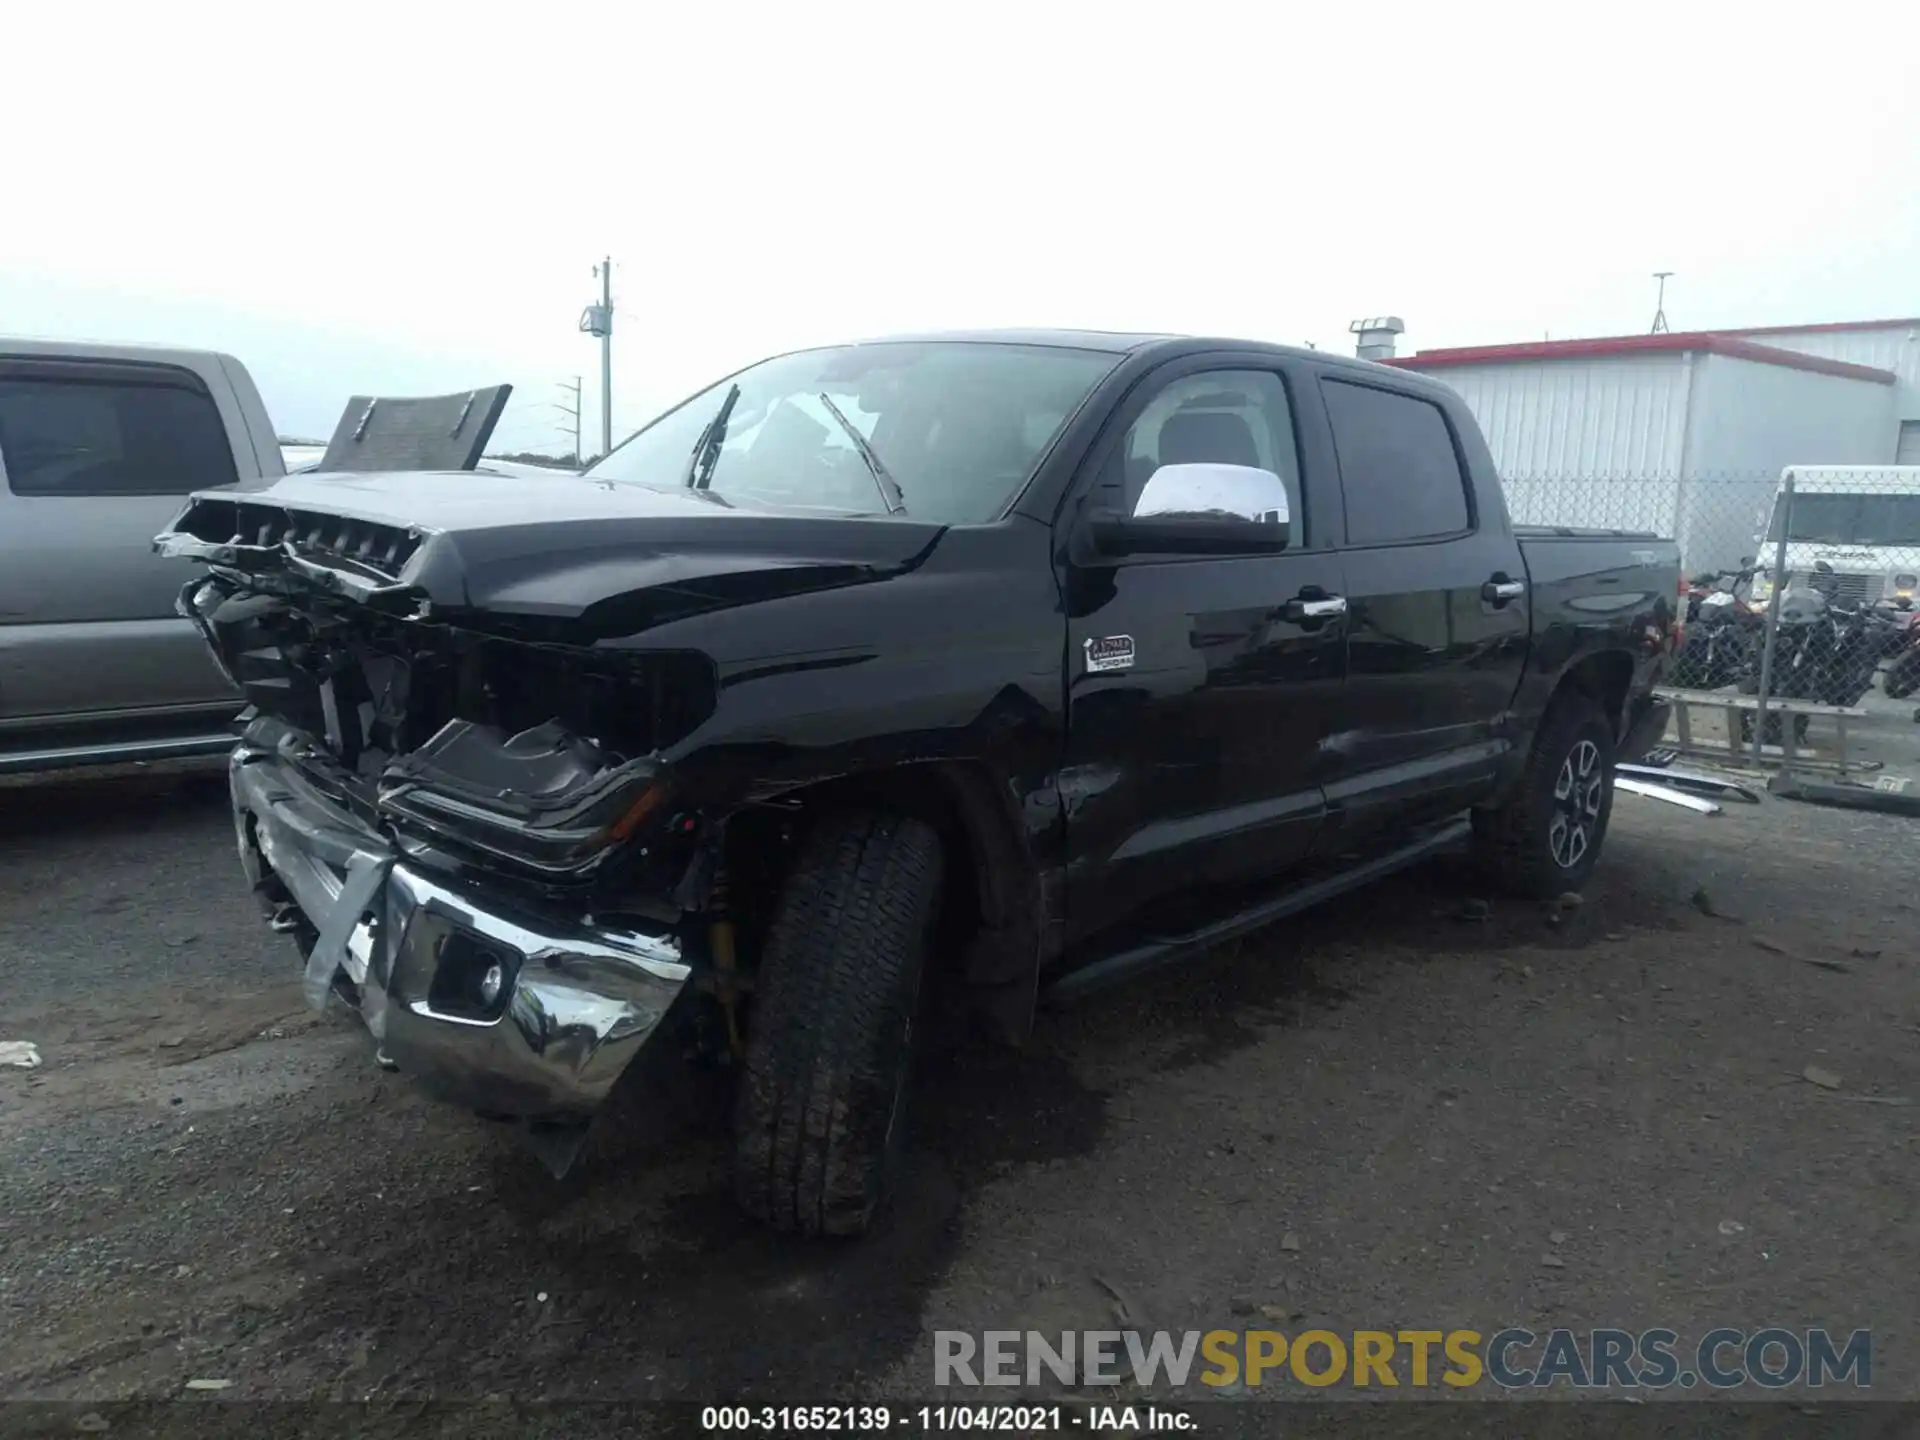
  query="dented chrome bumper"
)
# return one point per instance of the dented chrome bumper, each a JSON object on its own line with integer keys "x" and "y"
{"x": 513, "y": 1015}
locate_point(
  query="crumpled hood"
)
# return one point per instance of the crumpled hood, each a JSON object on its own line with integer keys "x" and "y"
{"x": 617, "y": 557}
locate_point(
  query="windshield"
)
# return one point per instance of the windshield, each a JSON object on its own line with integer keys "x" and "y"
{"x": 958, "y": 427}
{"x": 1853, "y": 519}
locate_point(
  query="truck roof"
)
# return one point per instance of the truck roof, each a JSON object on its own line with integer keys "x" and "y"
{"x": 1125, "y": 342}
{"x": 40, "y": 345}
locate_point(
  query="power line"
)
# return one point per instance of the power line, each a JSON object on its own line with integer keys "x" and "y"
{"x": 572, "y": 412}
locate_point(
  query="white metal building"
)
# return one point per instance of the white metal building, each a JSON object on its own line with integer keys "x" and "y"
{"x": 1880, "y": 344}
{"x": 1686, "y": 433}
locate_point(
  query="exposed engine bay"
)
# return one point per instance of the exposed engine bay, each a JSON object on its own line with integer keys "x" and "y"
{"x": 452, "y": 788}
{"x": 472, "y": 841}
{"x": 529, "y": 756}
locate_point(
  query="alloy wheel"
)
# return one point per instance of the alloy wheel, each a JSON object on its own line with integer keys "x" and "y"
{"x": 1577, "y": 797}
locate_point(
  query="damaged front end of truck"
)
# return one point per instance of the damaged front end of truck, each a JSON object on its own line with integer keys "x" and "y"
{"x": 461, "y": 812}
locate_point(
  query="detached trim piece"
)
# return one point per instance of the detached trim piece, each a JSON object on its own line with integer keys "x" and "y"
{"x": 1666, "y": 793}
{"x": 1689, "y": 782}
{"x": 1790, "y": 786}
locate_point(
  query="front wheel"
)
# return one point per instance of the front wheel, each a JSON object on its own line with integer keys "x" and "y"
{"x": 1546, "y": 839}
{"x": 817, "y": 1123}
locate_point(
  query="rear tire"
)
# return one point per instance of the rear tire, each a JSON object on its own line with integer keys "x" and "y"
{"x": 817, "y": 1124}
{"x": 1546, "y": 839}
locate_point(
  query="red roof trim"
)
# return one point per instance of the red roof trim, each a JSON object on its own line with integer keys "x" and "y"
{"x": 1713, "y": 342}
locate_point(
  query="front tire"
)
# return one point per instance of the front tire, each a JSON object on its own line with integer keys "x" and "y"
{"x": 1546, "y": 839}
{"x": 817, "y": 1125}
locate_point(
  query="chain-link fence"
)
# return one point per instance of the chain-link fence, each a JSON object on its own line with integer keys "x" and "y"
{"x": 1797, "y": 598}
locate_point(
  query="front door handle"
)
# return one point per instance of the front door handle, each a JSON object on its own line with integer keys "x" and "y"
{"x": 1315, "y": 607}
{"x": 1501, "y": 591}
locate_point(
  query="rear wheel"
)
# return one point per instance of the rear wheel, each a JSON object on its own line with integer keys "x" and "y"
{"x": 817, "y": 1125}
{"x": 1546, "y": 839}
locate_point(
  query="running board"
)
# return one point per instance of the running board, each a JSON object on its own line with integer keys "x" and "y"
{"x": 1163, "y": 950}
{"x": 114, "y": 752}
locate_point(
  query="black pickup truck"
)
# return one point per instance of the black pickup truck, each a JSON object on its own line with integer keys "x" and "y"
{"x": 977, "y": 667}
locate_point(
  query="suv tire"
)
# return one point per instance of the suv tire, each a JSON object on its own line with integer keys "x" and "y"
{"x": 817, "y": 1123}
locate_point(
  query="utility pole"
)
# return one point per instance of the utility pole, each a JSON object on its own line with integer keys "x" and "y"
{"x": 572, "y": 412}
{"x": 1660, "y": 304}
{"x": 606, "y": 356}
{"x": 597, "y": 320}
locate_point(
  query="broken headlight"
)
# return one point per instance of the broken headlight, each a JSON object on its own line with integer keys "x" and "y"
{"x": 544, "y": 798}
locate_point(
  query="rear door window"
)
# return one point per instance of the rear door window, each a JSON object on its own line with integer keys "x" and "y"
{"x": 73, "y": 434}
{"x": 1398, "y": 466}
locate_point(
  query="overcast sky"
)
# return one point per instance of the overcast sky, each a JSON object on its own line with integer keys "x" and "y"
{"x": 409, "y": 198}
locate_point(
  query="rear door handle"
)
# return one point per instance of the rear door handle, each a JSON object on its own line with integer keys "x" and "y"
{"x": 1501, "y": 591}
{"x": 1315, "y": 607}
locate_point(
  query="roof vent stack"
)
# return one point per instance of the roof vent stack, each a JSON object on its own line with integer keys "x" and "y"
{"x": 1376, "y": 336}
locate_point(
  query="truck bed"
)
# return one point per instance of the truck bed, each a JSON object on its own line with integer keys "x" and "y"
{"x": 1605, "y": 591}
{"x": 1575, "y": 575}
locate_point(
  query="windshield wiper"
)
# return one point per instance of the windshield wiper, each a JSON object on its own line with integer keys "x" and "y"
{"x": 706, "y": 450}
{"x": 891, "y": 494}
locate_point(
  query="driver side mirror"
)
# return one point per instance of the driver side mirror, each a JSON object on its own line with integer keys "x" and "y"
{"x": 1203, "y": 508}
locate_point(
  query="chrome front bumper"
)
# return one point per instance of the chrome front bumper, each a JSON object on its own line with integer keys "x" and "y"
{"x": 575, "y": 1003}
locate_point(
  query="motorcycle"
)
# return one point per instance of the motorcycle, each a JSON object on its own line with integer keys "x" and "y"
{"x": 1720, "y": 644}
{"x": 1859, "y": 636}
{"x": 1796, "y": 652}
{"x": 1825, "y": 650}
{"x": 1900, "y": 620}
{"x": 1903, "y": 675}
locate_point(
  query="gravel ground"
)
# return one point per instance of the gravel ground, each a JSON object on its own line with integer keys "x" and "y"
{"x": 1384, "y": 1116}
